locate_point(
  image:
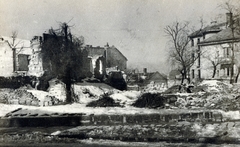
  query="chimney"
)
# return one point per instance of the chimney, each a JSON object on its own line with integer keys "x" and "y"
{"x": 229, "y": 19}
{"x": 145, "y": 71}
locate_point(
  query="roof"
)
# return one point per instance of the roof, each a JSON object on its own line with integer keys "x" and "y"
{"x": 224, "y": 36}
{"x": 150, "y": 75}
{"x": 113, "y": 47}
{"x": 208, "y": 29}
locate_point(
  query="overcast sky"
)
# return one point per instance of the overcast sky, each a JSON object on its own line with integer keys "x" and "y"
{"x": 135, "y": 27}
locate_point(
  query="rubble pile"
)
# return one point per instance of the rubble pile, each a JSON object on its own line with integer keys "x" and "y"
{"x": 210, "y": 94}
{"x": 51, "y": 100}
{"x": 153, "y": 87}
{"x": 214, "y": 86}
{"x": 5, "y": 94}
{"x": 104, "y": 101}
{"x": 33, "y": 137}
{"x": 21, "y": 96}
{"x": 149, "y": 100}
{"x": 27, "y": 97}
{"x": 87, "y": 92}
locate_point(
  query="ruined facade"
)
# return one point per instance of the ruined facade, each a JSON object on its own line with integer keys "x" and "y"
{"x": 25, "y": 58}
{"x": 35, "y": 63}
{"x": 6, "y": 59}
{"x": 102, "y": 58}
{"x": 15, "y": 56}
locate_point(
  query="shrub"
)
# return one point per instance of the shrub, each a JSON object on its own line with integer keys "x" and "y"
{"x": 14, "y": 82}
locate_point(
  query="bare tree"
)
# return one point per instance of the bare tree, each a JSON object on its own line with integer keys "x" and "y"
{"x": 214, "y": 59}
{"x": 180, "y": 53}
{"x": 62, "y": 57}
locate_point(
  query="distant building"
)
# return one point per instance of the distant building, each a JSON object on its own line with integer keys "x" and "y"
{"x": 197, "y": 37}
{"x": 215, "y": 61}
{"x": 145, "y": 78}
{"x": 157, "y": 78}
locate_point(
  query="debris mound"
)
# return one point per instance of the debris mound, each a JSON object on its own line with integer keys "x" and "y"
{"x": 150, "y": 100}
{"x": 104, "y": 101}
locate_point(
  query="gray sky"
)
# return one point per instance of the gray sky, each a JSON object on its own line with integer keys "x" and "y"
{"x": 135, "y": 27}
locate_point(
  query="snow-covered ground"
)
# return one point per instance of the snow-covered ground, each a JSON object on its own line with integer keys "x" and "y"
{"x": 76, "y": 108}
{"x": 88, "y": 92}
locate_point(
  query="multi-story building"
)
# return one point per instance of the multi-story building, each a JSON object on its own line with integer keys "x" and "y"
{"x": 215, "y": 46}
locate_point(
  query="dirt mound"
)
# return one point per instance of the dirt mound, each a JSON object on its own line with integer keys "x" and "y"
{"x": 104, "y": 101}
{"x": 150, "y": 100}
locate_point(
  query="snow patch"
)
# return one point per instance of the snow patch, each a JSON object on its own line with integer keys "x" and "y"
{"x": 126, "y": 97}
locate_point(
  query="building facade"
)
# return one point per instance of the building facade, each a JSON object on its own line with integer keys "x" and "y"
{"x": 15, "y": 56}
{"x": 216, "y": 47}
{"x": 6, "y": 59}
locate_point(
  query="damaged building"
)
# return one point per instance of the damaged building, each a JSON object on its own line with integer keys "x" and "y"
{"x": 24, "y": 58}
{"x": 15, "y": 57}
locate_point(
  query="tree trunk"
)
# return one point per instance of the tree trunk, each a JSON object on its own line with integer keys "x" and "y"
{"x": 182, "y": 78}
{"x": 67, "y": 80}
{"x": 184, "y": 75}
{"x": 236, "y": 79}
{"x": 214, "y": 71}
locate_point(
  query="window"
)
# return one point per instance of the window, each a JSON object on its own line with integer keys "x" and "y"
{"x": 193, "y": 56}
{"x": 204, "y": 36}
{"x": 198, "y": 40}
{"x": 199, "y": 60}
{"x": 23, "y": 62}
{"x": 192, "y": 41}
{"x": 199, "y": 74}
{"x": 193, "y": 74}
{"x": 228, "y": 71}
{"x": 227, "y": 52}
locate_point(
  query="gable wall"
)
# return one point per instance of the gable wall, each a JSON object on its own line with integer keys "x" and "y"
{"x": 6, "y": 59}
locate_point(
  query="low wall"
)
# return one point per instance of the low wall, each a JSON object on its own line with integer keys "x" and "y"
{"x": 41, "y": 121}
{"x": 155, "y": 118}
{"x": 84, "y": 120}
